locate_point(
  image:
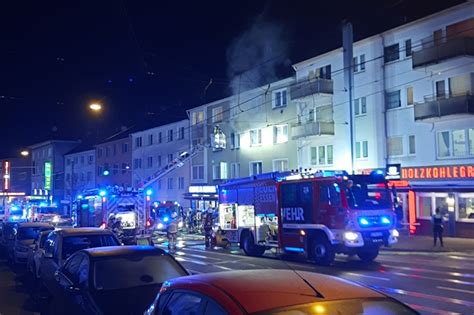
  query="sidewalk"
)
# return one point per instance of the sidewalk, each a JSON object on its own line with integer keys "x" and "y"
{"x": 424, "y": 243}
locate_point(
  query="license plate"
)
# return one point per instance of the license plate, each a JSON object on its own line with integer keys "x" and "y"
{"x": 376, "y": 234}
{"x": 377, "y": 240}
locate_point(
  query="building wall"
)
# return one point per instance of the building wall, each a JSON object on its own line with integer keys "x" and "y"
{"x": 149, "y": 155}
{"x": 20, "y": 174}
{"x": 80, "y": 170}
{"x": 116, "y": 158}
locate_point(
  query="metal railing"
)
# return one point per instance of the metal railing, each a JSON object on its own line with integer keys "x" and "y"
{"x": 436, "y": 106}
{"x": 312, "y": 86}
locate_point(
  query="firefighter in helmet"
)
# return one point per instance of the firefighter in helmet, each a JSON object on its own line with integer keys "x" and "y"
{"x": 208, "y": 222}
{"x": 172, "y": 232}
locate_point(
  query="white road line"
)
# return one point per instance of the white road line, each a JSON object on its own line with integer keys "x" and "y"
{"x": 413, "y": 276}
{"x": 202, "y": 263}
{"x": 365, "y": 276}
{"x": 460, "y": 257}
{"x": 449, "y": 273}
{"x": 425, "y": 263}
{"x": 431, "y": 310}
{"x": 457, "y": 290}
{"x": 196, "y": 256}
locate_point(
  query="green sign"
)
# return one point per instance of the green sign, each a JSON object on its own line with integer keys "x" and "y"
{"x": 47, "y": 175}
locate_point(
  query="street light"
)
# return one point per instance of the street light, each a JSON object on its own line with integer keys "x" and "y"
{"x": 96, "y": 107}
{"x": 25, "y": 153}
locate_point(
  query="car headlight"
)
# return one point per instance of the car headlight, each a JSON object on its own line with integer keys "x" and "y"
{"x": 56, "y": 219}
{"x": 351, "y": 236}
{"x": 385, "y": 220}
{"x": 395, "y": 233}
{"x": 160, "y": 226}
{"x": 180, "y": 224}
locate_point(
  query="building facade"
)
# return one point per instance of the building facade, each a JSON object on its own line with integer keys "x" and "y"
{"x": 113, "y": 161}
{"x": 47, "y": 169}
{"x": 152, "y": 150}
{"x": 79, "y": 170}
{"x": 16, "y": 175}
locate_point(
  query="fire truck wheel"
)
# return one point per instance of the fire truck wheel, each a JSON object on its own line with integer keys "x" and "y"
{"x": 368, "y": 255}
{"x": 323, "y": 252}
{"x": 249, "y": 246}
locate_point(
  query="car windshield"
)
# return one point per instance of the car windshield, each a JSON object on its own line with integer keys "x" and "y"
{"x": 363, "y": 196}
{"x": 128, "y": 272}
{"x": 30, "y": 233}
{"x": 72, "y": 244}
{"x": 375, "y": 306}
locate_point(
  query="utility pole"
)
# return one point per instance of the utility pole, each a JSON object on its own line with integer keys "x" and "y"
{"x": 347, "y": 40}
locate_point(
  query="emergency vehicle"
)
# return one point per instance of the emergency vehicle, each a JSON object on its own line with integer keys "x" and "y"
{"x": 317, "y": 214}
{"x": 160, "y": 214}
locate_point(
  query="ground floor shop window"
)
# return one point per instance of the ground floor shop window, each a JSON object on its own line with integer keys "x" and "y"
{"x": 424, "y": 206}
{"x": 466, "y": 207}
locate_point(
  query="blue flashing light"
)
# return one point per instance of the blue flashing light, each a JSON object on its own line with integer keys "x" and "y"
{"x": 102, "y": 193}
{"x": 85, "y": 206}
{"x": 106, "y": 173}
{"x": 385, "y": 220}
{"x": 80, "y": 197}
{"x": 14, "y": 208}
{"x": 294, "y": 249}
{"x": 166, "y": 219}
{"x": 149, "y": 192}
{"x": 363, "y": 221}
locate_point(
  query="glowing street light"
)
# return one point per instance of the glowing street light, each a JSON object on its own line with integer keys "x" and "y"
{"x": 25, "y": 153}
{"x": 96, "y": 107}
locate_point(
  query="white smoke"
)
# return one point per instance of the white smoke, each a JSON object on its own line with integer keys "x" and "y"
{"x": 255, "y": 56}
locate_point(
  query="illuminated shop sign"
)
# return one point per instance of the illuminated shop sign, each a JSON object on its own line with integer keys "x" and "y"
{"x": 47, "y": 175}
{"x": 202, "y": 189}
{"x": 6, "y": 175}
{"x": 439, "y": 172}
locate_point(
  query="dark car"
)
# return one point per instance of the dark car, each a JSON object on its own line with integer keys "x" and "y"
{"x": 270, "y": 292}
{"x": 112, "y": 280}
{"x": 61, "y": 244}
{"x": 7, "y": 236}
{"x": 24, "y": 242}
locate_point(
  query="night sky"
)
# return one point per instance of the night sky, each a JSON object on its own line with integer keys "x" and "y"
{"x": 149, "y": 61}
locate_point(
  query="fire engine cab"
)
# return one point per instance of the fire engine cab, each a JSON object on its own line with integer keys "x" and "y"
{"x": 318, "y": 214}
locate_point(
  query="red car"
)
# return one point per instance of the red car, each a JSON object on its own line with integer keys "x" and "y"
{"x": 270, "y": 292}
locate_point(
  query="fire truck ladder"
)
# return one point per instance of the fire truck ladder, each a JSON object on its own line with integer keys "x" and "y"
{"x": 171, "y": 166}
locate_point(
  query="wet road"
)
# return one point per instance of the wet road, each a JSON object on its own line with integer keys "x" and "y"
{"x": 432, "y": 283}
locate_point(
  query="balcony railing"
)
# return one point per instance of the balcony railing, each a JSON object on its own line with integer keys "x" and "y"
{"x": 440, "y": 107}
{"x": 314, "y": 128}
{"x": 309, "y": 87}
{"x": 435, "y": 51}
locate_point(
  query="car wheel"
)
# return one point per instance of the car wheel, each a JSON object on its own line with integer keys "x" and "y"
{"x": 368, "y": 255}
{"x": 249, "y": 246}
{"x": 323, "y": 252}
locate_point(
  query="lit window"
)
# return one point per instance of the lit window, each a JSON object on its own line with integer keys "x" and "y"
{"x": 362, "y": 149}
{"x": 217, "y": 114}
{"x": 224, "y": 172}
{"x": 280, "y": 165}
{"x": 410, "y": 95}
{"x": 197, "y": 117}
{"x": 360, "y": 106}
{"x": 280, "y": 134}
{"x": 218, "y": 139}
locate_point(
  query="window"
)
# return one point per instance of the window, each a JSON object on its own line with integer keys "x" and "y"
{"x": 217, "y": 114}
{"x": 440, "y": 89}
{"x": 392, "y": 99}
{"x": 218, "y": 139}
{"x": 150, "y": 139}
{"x": 459, "y": 143}
{"x": 91, "y": 159}
{"x": 395, "y": 146}
{"x": 68, "y": 177}
{"x": 408, "y": 48}
{"x": 76, "y": 159}
{"x": 137, "y": 163}
{"x": 82, "y": 159}
{"x": 138, "y": 142}
{"x": 460, "y": 85}
{"x": 183, "y": 303}
{"x": 411, "y": 145}
{"x": 324, "y": 113}
{"x": 235, "y": 140}
{"x": 149, "y": 162}
{"x": 158, "y": 161}
{"x": 124, "y": 147}
{"x": 329, "y": 158}
{"x": 359, "y": 63}
{"x": 280, "y": 99}
{"x": 280, "y": 134}
{"x": 235, "y": 170}
{"x": 89, "y": 177}
{"x": 444, "y": 149}
{"x": 410, "y": 95}
{"x": 224, "y": 170}
{"x": 362, "y": 149}
{"x": 181, "y": 183}
{"x": 160, "y": 137}
{"x": 360, "y": 106}
{"x": 198, "y": 172}
{"x": 159, "y": 184}
{"x": 170, "y": 135}
{"x": 255, "y": 168}
{"x": 466, "y": 206}
{"x": 124, "y": 168}
{"x": 280, "y": 165}
{"x": 392, "y": 53}
{"x": 197, "y": 117}
{"x": 170, "y": 183}
{"x": 68, "y": 161}
{"x": 255, "y": 137}
{"x": 99, "y": 152}
{"x": 471, "y": 140}
{"x": 180, "y": 133}
{"x": 314, "y": 155}
{"x": 114, "y": 149}
{"x": 322, "y": 155}
{"x": 170, "y": 157}
{"x": 323, "y": 72}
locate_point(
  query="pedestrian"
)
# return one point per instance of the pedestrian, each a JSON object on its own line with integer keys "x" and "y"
{"x": 438, "y": 228}
{"x": 208, "y": 224}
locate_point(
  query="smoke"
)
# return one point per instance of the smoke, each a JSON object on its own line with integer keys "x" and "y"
{"x": 256, "y": 57}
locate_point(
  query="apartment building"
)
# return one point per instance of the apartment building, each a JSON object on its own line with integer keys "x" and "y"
{"x": 79, "y": 170}
{"x": 152, "y": 150}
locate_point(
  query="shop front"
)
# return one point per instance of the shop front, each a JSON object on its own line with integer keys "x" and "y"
{"x": 450, "y": 188}
{"x": 202, "y": 197}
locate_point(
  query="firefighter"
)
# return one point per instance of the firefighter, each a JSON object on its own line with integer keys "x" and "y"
{"x": 172, "y": 232}
{"x": 208, "y": 224}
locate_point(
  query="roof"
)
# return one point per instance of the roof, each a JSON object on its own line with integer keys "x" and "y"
{"x": 116, "y": 251}
{"x": 81, "y": 148}
{"x": 258, "y": 290}
{"x": 41, "y": 144}
{"x": 35, "y": 224}
{"x": 85, "y": 230}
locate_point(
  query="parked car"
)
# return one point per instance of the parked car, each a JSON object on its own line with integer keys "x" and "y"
{"x": 62, "y": 243}
{"x": 25, "y": 234}
{"x": 112, "y": 280}
{"x": 34, "y": 255}
{"x": 7, "y": 236}
{"x": 270, "y": 292}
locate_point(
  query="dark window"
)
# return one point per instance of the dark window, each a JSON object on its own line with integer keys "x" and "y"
{"x": 408, "y": 48}
{"x": 114, "y": 149}
{"x": 160, "y": 137}
{"x": 183, "y": 303}
{"x": 170, "y": 135}
{"x": 124, "y": 147}
{"x": 392, "y": 53}
{"x": 393, "y": 99}
{"x": 213, "y": 308}
{"x": 71, "y": 269}
{"x": 72, "y": 244}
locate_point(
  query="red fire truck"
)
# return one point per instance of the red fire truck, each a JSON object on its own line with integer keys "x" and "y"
{"x": 317, "y": 214}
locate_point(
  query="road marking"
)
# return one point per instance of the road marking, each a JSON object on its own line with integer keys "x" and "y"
{"x": 429, "y": 278}
{"x": 454, "y": 274}
{"x": 365, "y": 276}
{"x": 422, "y": 295}
{"x": 457, "y": 290}
{"x": 196, "y": 256}
{"x": 460, "y": 257}
{"x": 425, "y": 263}
{"x": 431, "y": 310}
{"x": 202, "y": 263}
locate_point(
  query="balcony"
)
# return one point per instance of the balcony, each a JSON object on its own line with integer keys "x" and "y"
{"x": 438, "y": 50}
{"x": 314, "y": 128}
{"x": 434, "y": 108}
{"x": 310, "y": 87}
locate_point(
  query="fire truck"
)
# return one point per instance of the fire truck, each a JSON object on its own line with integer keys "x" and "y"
{"x": 161, "y": 214}
{"x": 318, "y": 214}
